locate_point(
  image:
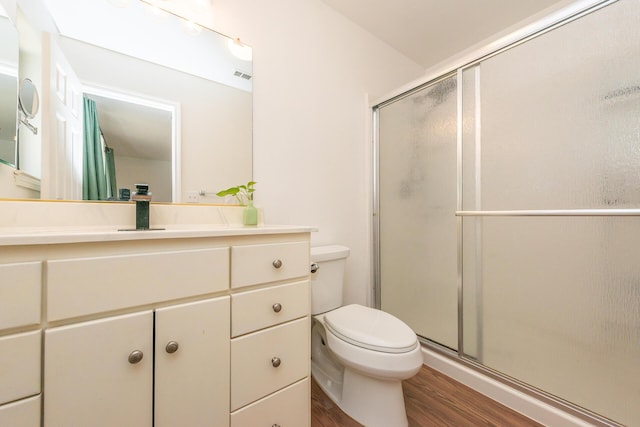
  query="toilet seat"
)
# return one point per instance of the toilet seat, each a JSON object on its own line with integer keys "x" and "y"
{"x": 370, "y": 329}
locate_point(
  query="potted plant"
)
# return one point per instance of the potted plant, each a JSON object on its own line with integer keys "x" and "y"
{"x": 244, "y": 196}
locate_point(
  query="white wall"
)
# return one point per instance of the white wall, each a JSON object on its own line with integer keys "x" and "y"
{"x": 313, "y": 70}
{"x": 8, "y": 187}
{"x": 9, "y": 8}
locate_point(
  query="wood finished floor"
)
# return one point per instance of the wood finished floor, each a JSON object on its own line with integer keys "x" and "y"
{"x": 431, "y": 399}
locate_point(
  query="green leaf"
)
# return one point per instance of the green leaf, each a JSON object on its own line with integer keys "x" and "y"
{"x": 240, "y": 192}
{"x": 228, "y": 192}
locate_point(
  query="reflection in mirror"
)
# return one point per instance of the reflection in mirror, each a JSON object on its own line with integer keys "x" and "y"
{"x": 164, "y": 93}
{"x": 28, "y": 103}
{"x": 8, "y": 90}
{"x": 28, "y": 99}
{"x": 141, "y": 153}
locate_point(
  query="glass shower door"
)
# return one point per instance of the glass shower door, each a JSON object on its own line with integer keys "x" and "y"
{"x": 551, "y": 167}
{"x": 416, "y": 216}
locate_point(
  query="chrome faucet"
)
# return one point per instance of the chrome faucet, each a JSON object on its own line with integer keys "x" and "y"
{"x": 142, "y": 197}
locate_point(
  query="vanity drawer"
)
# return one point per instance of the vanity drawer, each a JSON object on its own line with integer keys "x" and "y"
{"x": 20, "y": 294}
{"x": 261, "y": 308}
{"x": 23, "y": 413}
{"x": 19, "y": 366}
{"x": 269, "y": 411}
{"x": 255, "y": 372}
{"x": 77, "y": 287}
{"x": 254, "y": 264}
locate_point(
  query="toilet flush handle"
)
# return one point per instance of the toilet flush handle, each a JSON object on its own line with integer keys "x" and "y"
{"x": 314, "y": 267}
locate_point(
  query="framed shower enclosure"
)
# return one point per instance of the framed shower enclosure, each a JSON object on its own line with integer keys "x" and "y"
{"x": 507, "y": 211}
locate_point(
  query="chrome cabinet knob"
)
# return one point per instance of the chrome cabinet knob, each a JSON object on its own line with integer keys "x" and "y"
{"x": 172, "y": 347}
{"x": 314, "y": 267}
{"x": 275, "y": 362}
{"x": 277, "y": 263}
{"x": 135, "y": 357}
{"x": 277, "y": 307}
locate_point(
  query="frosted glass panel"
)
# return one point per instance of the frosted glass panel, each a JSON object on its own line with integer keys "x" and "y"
{"x": 560, "y": 304}
{"x": 417, "y": 197}
{"x": 551, "y": 123}
{"x": 564, "y": 109}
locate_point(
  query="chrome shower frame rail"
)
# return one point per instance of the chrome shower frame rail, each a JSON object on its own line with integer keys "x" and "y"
{"x": 553, "y": 212}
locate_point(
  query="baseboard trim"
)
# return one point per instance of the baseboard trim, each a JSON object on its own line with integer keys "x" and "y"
{"x": 528, "y": 406}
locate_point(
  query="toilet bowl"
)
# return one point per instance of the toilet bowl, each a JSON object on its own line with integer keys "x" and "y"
{"x": 359, "y": 355}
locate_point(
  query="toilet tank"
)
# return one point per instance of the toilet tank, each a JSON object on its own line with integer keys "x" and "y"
{"x": 327, "y": 282}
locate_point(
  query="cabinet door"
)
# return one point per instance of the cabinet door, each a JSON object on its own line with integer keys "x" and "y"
{"x": 23, "y": 413}
{"x": 192, "y": 364}
{"x": 91, "y": 377}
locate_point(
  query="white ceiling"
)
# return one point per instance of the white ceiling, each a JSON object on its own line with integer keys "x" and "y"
{"x": 430, "y": 31}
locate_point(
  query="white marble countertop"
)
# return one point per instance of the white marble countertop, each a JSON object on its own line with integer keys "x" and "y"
{"x": 45, "y": 235}
{"x": 43, "y": 223}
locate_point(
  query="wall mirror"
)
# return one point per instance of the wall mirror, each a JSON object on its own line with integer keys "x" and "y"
{"x": 173, "y": 101}
{"x": 28, "y": 100}
{"x": 28, "y": 103}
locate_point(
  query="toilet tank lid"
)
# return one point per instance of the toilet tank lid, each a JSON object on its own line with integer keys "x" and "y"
{"x": 328, "y": 253}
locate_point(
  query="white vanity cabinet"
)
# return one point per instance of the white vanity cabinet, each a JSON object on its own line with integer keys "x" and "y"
{"x": 20, "y": 344}
{"x": 270, "y": 347}
{"x": 111, "y": 371}
{"x": 105, "y": 373}
{"x": 156, "y": 329}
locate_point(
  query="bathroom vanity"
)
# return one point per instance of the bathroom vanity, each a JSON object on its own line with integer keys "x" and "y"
{"x": 197, "y": 326}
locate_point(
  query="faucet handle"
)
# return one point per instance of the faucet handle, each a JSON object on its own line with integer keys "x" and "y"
{"x": 142, "y": 189}
{"x": 142, "y": 193}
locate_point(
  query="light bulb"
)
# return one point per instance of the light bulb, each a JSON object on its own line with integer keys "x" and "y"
{"x": 240, "y": 50}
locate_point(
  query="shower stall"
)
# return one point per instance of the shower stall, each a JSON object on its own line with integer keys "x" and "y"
{"x": 507, "y": 206}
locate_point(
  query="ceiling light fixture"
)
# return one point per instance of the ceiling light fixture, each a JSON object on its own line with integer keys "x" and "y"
{"x": 193, "y": 28}
{"x": 240, "y": 50}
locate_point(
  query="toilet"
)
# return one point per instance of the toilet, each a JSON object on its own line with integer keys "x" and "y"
{"x": 359, "y": 355}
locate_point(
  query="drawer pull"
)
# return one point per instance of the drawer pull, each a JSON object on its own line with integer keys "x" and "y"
{"x": 172, "y": 347}
{"x": 135, "y": 357}
{"x": 275, "y": 361}
{"x": 275, "y": 425}
{"x": 277, "y": 307}
{"x": 314, "y": 267}
{"x": 277, "y": 263}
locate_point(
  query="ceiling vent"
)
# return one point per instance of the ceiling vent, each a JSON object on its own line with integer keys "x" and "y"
{"x": 242, "y": 75}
